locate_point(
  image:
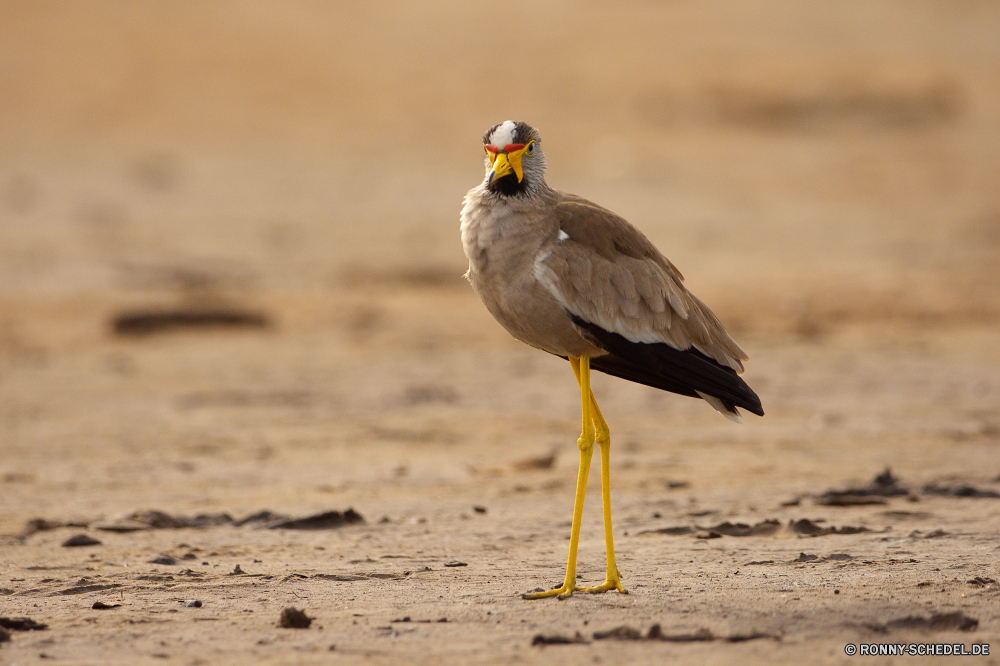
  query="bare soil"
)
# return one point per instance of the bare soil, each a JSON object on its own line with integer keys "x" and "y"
{"x": 230, "y": 284}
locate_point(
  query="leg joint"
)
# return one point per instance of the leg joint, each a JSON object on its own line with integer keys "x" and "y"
{"x": 601, "y": 432}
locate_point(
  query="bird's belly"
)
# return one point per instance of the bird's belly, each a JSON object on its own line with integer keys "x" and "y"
{"x": 530, "y": 313}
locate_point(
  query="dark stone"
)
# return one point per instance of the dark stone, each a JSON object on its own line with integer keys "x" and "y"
{"x": 80, "y": 540}
{"x": 293, "y": 618}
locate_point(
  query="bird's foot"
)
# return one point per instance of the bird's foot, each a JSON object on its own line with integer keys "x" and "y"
{"x": 563, "y": 591}
{"x": 612, "y": 583}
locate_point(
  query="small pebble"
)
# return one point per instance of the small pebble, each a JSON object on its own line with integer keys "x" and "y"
{"x": 293, "y": 618}
{"x": 164, "y": 559}
{"x": 80, "y": 540}
{"x": 193, "y": 603}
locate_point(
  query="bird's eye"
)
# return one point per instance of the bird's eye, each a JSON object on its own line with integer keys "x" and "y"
{"x": 530, "y": 150}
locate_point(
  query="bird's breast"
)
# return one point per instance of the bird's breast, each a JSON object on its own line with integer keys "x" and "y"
{"x": 503, "y": 249}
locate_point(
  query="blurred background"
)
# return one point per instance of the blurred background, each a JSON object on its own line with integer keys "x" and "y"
{"x": 846, "y": 147}
{"x": 815, "y": 170}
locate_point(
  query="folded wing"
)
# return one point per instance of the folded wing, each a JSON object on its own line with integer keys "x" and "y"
{"x": 628, "y": 299}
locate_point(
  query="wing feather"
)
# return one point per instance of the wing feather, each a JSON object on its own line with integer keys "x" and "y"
{"x": 659, "y": 365}
{"x": 609, "y": 274}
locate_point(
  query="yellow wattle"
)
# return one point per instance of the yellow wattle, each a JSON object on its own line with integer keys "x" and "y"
{"x": 505, "y": 163}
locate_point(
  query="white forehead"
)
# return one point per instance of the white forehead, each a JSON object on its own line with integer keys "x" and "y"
{"x": 503, "y": 134}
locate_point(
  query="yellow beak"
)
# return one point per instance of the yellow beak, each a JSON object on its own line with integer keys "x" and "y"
{"x": 506, "y": 163}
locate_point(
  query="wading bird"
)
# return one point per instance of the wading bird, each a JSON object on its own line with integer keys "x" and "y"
{"x": 571, "y": 278}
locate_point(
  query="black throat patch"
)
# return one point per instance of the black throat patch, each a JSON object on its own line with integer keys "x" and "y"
{"x": 508, "y": 186}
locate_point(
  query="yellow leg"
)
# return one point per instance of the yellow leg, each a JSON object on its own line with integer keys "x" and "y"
{"x": 613, "y": 580}
{"x": 586, "y": 444}
{"x": 594, "y": 428}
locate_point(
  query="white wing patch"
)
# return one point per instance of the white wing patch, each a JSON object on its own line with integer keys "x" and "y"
{"x": 563, "y": 236}
{"x": 546, "y": 277}
{"x": 503, "y": 134}
{"x": 717, "y": 404}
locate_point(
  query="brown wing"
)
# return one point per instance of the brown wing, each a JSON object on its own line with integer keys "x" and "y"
{"x": 626, "y": 297}
{"x": 608, "y": 273}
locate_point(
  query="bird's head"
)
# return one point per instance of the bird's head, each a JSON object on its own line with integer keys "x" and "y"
{"x": 515, "y": 164}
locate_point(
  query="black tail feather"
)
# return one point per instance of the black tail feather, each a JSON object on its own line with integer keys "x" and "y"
{"x": 661, "y": 366}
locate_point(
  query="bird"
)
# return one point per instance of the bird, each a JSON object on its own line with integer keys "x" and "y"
{"x": 568, "y": 277}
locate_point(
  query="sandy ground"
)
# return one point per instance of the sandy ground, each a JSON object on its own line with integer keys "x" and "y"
{"x": 824, "y": 175}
